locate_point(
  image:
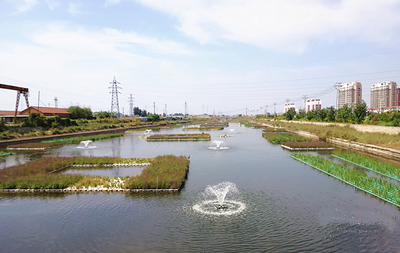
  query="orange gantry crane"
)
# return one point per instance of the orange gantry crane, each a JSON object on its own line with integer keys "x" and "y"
{"x": 20, "y": 90}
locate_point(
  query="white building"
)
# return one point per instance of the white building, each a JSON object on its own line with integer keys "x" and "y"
{"x": 313, "y": 104}
{"x": 289, "y": 106}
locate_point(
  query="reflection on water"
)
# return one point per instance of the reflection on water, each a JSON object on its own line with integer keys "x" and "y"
{"x": 290, "y": 207}
{"x": 105, "y": 171}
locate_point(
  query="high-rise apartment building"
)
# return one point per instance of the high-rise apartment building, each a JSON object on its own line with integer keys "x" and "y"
{"x": 349, "y": 93}
{"x": 384, "y": 95}
{"x": 313, "y": 104}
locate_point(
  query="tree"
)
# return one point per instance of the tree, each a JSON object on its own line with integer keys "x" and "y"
{"x": 301, "y": 114}
{"x": 289, "y": 115}
{"x": 344, "y": 114}
{"x": 360, "y": 111}
{"x": 153, "y": 117}
{"x": 330, "y": 114}
{"x": 80, "y": 113}
{"x": 103, "y": 115}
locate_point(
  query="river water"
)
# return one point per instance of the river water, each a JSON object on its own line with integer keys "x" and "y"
{"x": 290, "y": 207}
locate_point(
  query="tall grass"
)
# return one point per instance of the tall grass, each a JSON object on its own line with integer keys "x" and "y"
{"x": 170, "y": 170}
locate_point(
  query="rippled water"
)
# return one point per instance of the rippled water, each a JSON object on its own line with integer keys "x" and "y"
{"x": 289, "y": 207}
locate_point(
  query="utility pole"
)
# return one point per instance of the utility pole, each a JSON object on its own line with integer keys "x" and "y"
{"x": 305, "y": 99}
{"x": 337, "y": 87}
{"x": 185, "y": 109}
{"x": 131, "y": 101}
{"x": 114, "y": 97}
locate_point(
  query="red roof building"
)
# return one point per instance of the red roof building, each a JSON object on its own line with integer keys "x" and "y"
{"x": 47, "y": 111}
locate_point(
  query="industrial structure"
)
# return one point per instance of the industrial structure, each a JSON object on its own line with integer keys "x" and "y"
{"x": 20, "y": 90}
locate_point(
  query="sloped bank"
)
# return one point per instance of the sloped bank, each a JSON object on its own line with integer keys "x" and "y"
{"x": 366, "y": 148}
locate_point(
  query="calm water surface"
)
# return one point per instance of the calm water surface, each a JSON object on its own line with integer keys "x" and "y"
{"x": 290, "y": 207}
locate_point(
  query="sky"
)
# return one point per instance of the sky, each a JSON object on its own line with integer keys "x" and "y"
{"x": 216, "y": 56}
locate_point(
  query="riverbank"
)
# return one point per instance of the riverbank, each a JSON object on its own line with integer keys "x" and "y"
{"x": 379, "y": 150}
{"x": 5, "y": 143}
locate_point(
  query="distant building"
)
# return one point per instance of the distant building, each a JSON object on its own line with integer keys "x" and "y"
{"x": 384, "y": 97}
{"x": 289, "y": 106}
{"x": 350, "y": 94}
{"x": 384, "y": 94}
{"x": 47, "y": 111}
{"x": 313, "y": 104}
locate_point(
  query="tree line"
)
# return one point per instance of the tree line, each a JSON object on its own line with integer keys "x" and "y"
{"x": 346, "y": 114}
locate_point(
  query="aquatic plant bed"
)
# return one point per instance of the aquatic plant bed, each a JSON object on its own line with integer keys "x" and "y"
{"x": 376, "y": 187}
{"x": 5, "y": 153}
{"x": 278, "y": 138}
{"x": 165, "y": 173}
{"x": 179, "y": 137}
{"x": 33, "y": 146}
{"x": 78, "y": 139}
{"x": 385, "y": 169}
{"x": 313, "y": 145}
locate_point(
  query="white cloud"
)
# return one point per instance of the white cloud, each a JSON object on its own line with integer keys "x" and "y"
{"x": 111, "y": 2}
{"x": 52, "y": 4}
{"x": 284, "y": 25}
{"x": 24, "y": 5}
{"x": 106, "y": 39}
{"x": 74, "y": 8}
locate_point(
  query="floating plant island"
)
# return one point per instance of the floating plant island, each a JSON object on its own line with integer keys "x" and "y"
{"x": 374, "y": 186}
{"x": 279, "y": 137}
{"x": 33, "y": 146}
{"x": 164, "y": 173}
{"x": 205, "y": 127}
{"x": 78, "y": 139}
{"x": 312, "y": 145}
{"x": 179, "y": 137}
{"x": 5, "y": 153}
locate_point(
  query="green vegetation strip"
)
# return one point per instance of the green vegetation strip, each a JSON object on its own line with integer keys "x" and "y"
{"x": 164, "y": 172}
{"x": 5, "y": 153}
{"x": 384, "y": 169}
{"x": 278, "y": 138}
{"x": 376, "y": 187}
{"x": 78, "y": 139}
{"x": 173, "y": 137}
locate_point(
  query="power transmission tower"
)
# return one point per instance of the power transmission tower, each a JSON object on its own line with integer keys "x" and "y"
{"x": 154, "y": 105}
{"x": 131, "y": 101}
{"x": 274, "y": 109}
{"x": 55, "y": 102}
{"x": 114, "y": 97}
{"x": 165, "y": 110}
